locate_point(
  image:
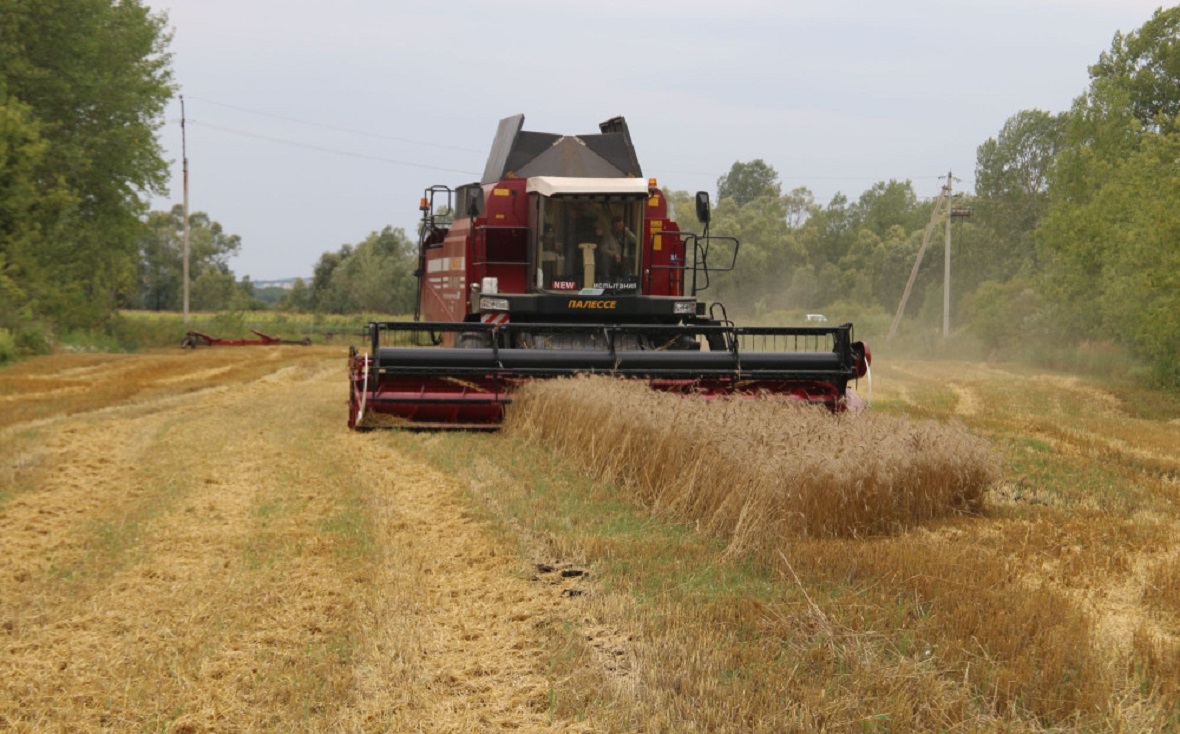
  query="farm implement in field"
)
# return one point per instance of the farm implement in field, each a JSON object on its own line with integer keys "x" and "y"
{"x": 194, "y": 339}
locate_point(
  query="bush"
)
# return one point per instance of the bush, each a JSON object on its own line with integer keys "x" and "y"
{"x": 90, "y": 340}
{"x": 7, "y": 347}
{"x": 33, "y": 339}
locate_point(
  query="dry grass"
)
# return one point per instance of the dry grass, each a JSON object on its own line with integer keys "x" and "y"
{"x": 1162, "y": 591}
{"x": 755, "y": 471}
{"x": 205, "y": 547}
{"x": 165, "y": 570}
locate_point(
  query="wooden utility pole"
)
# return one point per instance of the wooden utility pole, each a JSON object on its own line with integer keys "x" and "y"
{"x": 184, "y": 156}
{"x": 943, "y": 197}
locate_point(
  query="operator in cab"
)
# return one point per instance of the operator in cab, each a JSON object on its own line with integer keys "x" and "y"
{"x": 617, "y": 249}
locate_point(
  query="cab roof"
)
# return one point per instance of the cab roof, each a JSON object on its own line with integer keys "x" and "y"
{"x": 554, "y": 185}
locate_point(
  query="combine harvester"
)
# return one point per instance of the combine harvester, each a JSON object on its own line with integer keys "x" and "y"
{"x": 563, "y": 260}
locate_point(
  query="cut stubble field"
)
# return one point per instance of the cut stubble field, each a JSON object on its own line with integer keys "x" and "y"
{"x": 193, "y": 541}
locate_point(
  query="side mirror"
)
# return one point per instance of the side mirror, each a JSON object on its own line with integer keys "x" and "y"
{"x": 703, "y": 207}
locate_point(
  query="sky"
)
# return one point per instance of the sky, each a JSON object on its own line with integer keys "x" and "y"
{"x": 310, "y": 125}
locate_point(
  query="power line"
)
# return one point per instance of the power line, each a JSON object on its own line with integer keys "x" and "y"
{"x": 802, "y": 177}
{"x": 324, "y": 149}
{"x": 335, "y": 128}
{"x": 260, "y": 136}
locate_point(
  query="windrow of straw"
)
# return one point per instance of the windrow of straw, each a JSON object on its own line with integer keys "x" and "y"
{"x": 754, "y": 470}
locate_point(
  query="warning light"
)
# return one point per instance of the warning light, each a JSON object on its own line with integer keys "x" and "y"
{"x": 423, "y": 204}
{"x": 651, "y": 184}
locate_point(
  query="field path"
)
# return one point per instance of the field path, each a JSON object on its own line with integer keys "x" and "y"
{"x": 201, "y": 545}
{"x": 456, "y": 622}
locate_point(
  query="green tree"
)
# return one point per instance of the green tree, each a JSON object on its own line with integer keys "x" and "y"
{"x": 1134, "y": 90}
{"x": 83, "y": 85}
{"x": 862, "y": 252}
{"x": 769, "y": 252}
{"x": 1145, "y": 66}
{"x": 21, "y": 153}
{"x": 324, "y": 296}
{"x": 888, "y": 204}
{"x": 829, "y": 232}
{"x": 1116, "y": 271}
{"x": 1012, "y": 185}
{"x": 1003, "y": 315}
{"x": 297, "y": 299}
{"x": 375, "y": 276}
{"x": 1016, "y": 163}
{"x": 800, "y": 205}
{"x": 1111, "y": 227}
{"x": 748, "y": 181}
{"x": 161, "y": 262}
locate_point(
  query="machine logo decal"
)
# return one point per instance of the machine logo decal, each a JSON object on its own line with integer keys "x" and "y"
{"x": 577, "y": 303}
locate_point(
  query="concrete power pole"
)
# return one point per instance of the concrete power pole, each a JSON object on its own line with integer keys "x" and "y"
{"x": 946, "y": 268}
{"x": 184, "y": 156}
{"x": 953, "y": 212}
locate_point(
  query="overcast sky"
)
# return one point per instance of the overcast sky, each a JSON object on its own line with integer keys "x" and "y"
{"x": 312, "y": 124}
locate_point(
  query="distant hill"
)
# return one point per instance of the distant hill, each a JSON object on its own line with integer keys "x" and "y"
{"x": 285, "y": 284}
{"x": 272, "y": 291}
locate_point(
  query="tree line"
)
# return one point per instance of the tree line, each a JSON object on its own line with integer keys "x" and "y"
{"x": 1073, "y": 234}
{"x": 83, "y": 86}
{"x": 373, "y": 276}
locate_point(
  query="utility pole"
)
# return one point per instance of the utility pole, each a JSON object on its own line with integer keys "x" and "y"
{"x": 953, "y": 213}
{"x": 943, "y": 196}
{"x": 184, "y": 156}
{"x": 946, "y": 267}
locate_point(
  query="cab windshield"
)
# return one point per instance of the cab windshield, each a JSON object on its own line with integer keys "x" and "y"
{"x": 589, "y": 242}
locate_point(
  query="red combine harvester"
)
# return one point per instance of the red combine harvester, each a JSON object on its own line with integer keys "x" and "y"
{"x": 564, "y": 260}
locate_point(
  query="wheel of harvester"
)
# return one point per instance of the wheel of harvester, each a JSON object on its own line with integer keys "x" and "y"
{"x": 473, "y": 340}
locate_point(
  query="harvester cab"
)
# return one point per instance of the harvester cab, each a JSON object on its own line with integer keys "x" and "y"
{"x": 563, "y": 259}
{"x": 560, "y": 228}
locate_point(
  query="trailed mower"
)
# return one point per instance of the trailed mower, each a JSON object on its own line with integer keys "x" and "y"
{"x": 563, "y": 260}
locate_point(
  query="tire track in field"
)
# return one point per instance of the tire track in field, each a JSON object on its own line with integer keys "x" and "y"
{"x": 132, "y": 634}
{"x": 458, "y": 628}
{"x": 262, "y": 569}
